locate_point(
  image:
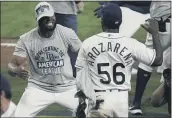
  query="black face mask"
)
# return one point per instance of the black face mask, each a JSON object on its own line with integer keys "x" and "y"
{"x": 43, "y": 24}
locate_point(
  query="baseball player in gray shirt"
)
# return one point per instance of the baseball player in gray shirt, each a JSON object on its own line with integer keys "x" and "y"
{"x": 50, "y": 78}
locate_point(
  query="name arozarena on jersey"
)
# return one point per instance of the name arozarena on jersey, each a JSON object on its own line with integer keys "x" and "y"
{"x": 116, "y": 47}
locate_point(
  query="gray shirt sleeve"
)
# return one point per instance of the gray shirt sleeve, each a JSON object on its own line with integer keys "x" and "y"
{"x": 20, "y": 49}
{"x": 73, "y": 41}
{"x": 160, "y": 10}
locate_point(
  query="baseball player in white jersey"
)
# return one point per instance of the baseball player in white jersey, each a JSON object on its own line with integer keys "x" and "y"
{"x": 134, "y": 14}
{"x": 7, "y": 105}
{"x": 106, "y": 60}
{"x": 50, "y": 76}
{"x": 161, "y": 11}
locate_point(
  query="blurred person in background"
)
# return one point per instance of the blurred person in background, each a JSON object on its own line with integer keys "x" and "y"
{"x": 161, "y": 11}
{"x": 7, "y": 106}
{"x": 162, "y": 94}
{"x": 66, "y": 15}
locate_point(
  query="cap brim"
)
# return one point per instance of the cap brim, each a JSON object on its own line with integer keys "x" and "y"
{"x": 48, "y": 14}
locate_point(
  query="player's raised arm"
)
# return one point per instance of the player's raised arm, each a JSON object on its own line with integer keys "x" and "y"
{"x": 151, "y": 57}
{"x": 152, "y": 27}
{"x": 18, "y": 61}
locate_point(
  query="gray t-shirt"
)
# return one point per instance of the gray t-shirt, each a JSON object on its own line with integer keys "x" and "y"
{"x": 64, "y": 7}
{"x": 160, "y": 9}
{"x": 49, "y": 62}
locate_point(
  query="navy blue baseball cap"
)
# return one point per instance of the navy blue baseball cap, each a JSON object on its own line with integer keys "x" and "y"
{"x": 5, "y": 86}
{"x": 112, "y": 15}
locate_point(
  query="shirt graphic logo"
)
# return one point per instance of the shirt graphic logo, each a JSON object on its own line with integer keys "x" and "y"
{"x": 50, "y": 60}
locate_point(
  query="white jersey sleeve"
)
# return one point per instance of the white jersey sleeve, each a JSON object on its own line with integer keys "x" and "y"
{"x": 73, "y": 41}
{"x": 142, "y": 53}
{"x": 83, "y": 79}
{"x": 20, "y": 49}
{"x": 81, "y": 59}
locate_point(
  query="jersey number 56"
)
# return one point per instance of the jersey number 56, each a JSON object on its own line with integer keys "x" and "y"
{"x": 115, "y": 74}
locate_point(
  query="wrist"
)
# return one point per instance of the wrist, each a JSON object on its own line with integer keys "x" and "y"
{"x": 12, "y": 69}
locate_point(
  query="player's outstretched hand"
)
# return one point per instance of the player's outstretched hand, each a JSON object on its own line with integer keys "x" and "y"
{"x": 19, "y": 71}
{"x": 80, "y": 111}
{"x": 98, "y": 11}
{"x": 22, "y": 73}
{"x": 151, "y": 26}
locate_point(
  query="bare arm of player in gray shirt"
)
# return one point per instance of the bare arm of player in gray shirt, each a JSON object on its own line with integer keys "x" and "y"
{"x": 17, "y": 63}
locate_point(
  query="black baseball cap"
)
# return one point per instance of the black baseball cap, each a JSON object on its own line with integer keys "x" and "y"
{"x": 5, "y": 86}
{"x": 112, "y": 15}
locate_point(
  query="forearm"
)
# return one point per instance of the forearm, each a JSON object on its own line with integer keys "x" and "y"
{"x": 16, "y": 65}
{"x": 158, "y": 98}
{"x": 158, "y": 48}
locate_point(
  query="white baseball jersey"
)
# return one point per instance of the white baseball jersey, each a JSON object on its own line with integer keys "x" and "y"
{"x": 109, "y": 57}
{"x": 50, "y": 67}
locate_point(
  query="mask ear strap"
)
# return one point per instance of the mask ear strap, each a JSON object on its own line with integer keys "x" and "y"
{"x": 103, "y": 26}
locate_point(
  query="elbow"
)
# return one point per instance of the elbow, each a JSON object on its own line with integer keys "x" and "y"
{"x": 158, "y": 61}
{"x": 156, "y": 101}
{"x": 9, "y": 67}
{"x": 154, "y": 104}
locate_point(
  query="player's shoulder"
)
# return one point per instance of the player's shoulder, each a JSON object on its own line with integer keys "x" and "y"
{"x": 131, "y": 41}
{"x": 90, "y": 40}
{"x": 27, "y": 35}
{"x": 134, "y": 43}
{"x": 63, "y": 28}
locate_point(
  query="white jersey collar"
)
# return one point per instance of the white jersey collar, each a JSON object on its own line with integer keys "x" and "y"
{"x": 110, "y": 35}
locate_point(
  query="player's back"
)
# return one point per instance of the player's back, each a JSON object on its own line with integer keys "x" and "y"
{"x": 110, "y": 58}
